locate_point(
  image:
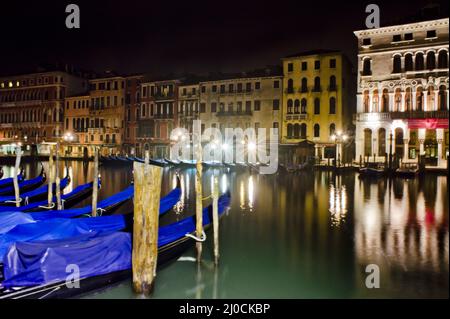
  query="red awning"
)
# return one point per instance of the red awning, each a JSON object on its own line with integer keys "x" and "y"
{"x": 428, "y": 123}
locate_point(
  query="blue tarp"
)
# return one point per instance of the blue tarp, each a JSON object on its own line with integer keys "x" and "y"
{"x": 38, "y": 191}
{"x": 34, "y": 205}
{"x": 9, "y": 220}
{"x": 43, "y": 262}
{"x": 28, "y": 182}
{"x": 59, "y": 228}
{"x": 10, "y": 180}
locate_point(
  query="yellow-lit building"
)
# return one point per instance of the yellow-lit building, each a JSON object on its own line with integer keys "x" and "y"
{"x": 317, "y": 104}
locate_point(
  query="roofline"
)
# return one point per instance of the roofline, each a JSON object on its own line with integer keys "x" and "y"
{"x": 400, "y": 27}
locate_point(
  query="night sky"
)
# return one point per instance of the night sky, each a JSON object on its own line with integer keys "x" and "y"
{"x": 162, "y": 37}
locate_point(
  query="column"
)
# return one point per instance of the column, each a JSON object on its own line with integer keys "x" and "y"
{"x": 391, "y": 102}
{"x": 425, "y": 100}
{"x": 403, "y": 106}
{"x": 405, "y": 149}
{"x": 316, "y": 151}
{"x": 446, "y": 96}
{"x": 440, "y": 141}
{"x": 370, "y": 102}
{"x": 435, "y": 107}
{"x": 323, "y": 152}
{"x": 414, "y": 97}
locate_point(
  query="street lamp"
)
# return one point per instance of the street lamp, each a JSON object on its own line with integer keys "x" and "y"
{"x": 338, "y": 138}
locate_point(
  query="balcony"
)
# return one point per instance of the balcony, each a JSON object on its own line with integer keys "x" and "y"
{"x": 297, "y": 117}
{"x": 163, "y": 116}
{"x": 164, "y": 96}
{"x": 332, "y": 88}
{"x": 317, "y": 89}
{"x": 234, "y": 113}
{"x": 419, "y": 115}
{"x": 303, "y": 89}
{"x": 375, "y": 117}
{"x": 289, "y": 91}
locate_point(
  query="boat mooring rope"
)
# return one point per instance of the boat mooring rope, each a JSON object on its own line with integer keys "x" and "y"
{"x": 14, "y": 201}
{"x": 48, "y": 207}
{"x": 202, "y": 239}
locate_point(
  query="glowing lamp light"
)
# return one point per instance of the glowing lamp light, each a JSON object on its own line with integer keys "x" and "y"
{"x": 251, "y": 146}
{"x": 333, "y": 137}
{"x": 344, "y": 137}
{"x": 224, "y": 147}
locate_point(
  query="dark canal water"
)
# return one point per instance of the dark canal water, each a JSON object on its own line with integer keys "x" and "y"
{"x": 306, "y": 235}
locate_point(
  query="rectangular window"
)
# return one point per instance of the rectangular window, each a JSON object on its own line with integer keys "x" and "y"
{"x": 222, "y": 88}
{"x": 276, "y": 84}
{"x": 239, "y": 87}
{"x": 317, "y": 65}
{"x": 213, "y": 107}
{"x": 203, "y": 89}
{"x": 202, "y": 107}
{"x": 257, "y": 85}
{"x": 332, "y": 63}
{"x": 304, "y": 66}
{"x": 248, "y": 106}
{"x": 276, "y": 125}
{"x": 409, "y": 36}
{"x": 366, "y": 41}
{"x": 431, "y": 34}
{"x": 230, "y": 88}
{"x": 276, "y": 105}
{"x": 214, "y": 88}
{"x": 396, "y": 38}
{"x": 290, "y": 67}
{"x": 257, "y": 105}
{"x": 248, "y": 87}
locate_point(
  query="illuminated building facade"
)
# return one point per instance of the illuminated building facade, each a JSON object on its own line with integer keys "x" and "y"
{"x": 132, "y": 105}
{"x": 32, "y": 105}
{"x": 402, "y": 98}
{"x": 249, "y": 100}
{"x": 317, "y": 104}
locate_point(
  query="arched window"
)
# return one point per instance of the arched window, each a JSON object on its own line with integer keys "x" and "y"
{"x": 137, "y": 114}
{"x": 408, "y": 62}
{"x": 303, "y": 106}
{"x": 375, "y": 101}
{"x": 289, "y": 106}
{"x": 297, "y": 106}
{"x": 431, "y": 60}
{"x": 316, "y": 130}
{"x": 397, "y": 64}
{"x": 367, "y": 69}
{"x": 381, "y": 142}
{"x": 290, "y": 131}
{"x": 303, "y": 131}
{"x": 332, "y": 129}
{"x": 367, "y": 142}
{"x": 366, "y": 101}
{"x": 297, "y": 130}
{"x": 442, "y": 98}
{"x": 317, "y": 87}
{"x": 443, "y": 59}
{"x": 332, "y": 83}
{"x": 290, "y": 87}
{"x": 408, "y": 100}
{"x": 419, "y": 99}
{"x": 398, "y": 100}
{"x": 385, "y": 101}
{"x": 419, "y": 61}
{"x": 316, "y": 105}
{"x": 304, "y": 87}
{"x": 332, "y": 105}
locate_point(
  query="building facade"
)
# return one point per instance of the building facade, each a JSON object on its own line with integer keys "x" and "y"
{"x": 32, "y": 106}
{"x": 402, "y": 97}
{"x": 188, "y": 105}
{"x": 317, "y": 104}
{"x": 248, "y": 101}
{"x": 157, "y": 116}
{"x": 132, "y": 105}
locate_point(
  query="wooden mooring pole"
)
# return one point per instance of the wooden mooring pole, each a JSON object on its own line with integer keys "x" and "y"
{"x": 215, "y": 219}
{"x": 147, "y": 190}
{"x": 198, "y": 200}
{"x": 58, "y": 180}
{"x": 15, "y": 179}
{"x": 95, "y": 185}
{"x": 51, "y": 178}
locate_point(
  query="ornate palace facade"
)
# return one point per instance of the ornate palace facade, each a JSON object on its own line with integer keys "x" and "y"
{"x": 402, "y": 98}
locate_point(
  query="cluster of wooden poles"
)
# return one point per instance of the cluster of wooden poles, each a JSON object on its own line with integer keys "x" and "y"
{"x": 54, "y": 178}
{"x": 147, "y": 189}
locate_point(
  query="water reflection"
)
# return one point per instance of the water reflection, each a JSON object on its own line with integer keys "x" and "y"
{"x": 310, "y": 235}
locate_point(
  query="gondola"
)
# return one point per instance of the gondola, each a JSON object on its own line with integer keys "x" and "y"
{"x": 188, "y": 163}
{"x": 9, "y": 181}
{"x": 212, "y": 164}
{"x": 172, "y": 162}
{"x": 25, "y": 280}
{"x": 407, "y": 170}
{"x": 230, "y": 165}
{"x": 34, "y": 195}
{"x": 372, "y": 170}
{"x": 1, "y": 172}
{"x": 25, "y": 185}
{"x": 8, "y": 220}
{"x": 69, "y": 200}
